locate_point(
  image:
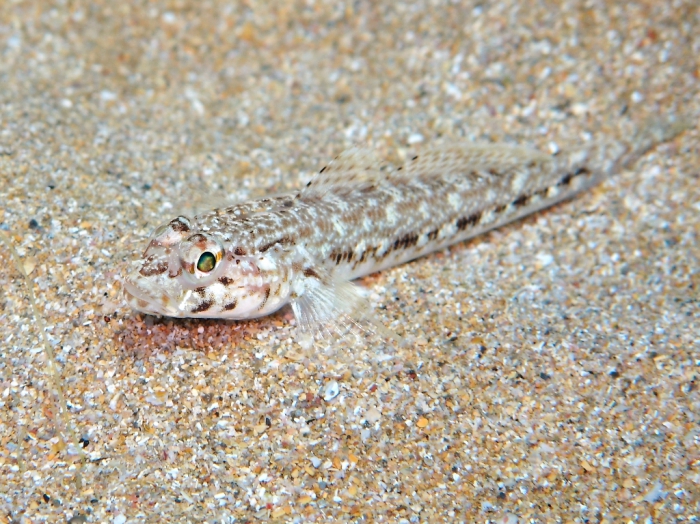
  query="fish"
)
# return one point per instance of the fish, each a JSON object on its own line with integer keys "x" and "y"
{"x": 355, "y": 217}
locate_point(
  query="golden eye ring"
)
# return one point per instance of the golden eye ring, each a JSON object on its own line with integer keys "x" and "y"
{"x": 200, "y": 255}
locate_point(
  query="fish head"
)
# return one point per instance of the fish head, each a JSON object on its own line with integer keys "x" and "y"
{"x": 188, "y": 271}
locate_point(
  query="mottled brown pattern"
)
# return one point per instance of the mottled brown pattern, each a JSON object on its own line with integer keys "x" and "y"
{"x": 179, "y": 224}
{"x": 521, "y": 200}
{"x": 309, "y": 272}
{"x": 283, "y": 240}
{"x": 151, "y": 269}
{"x": 470, "y": 220}
{"x": 231, "y": 305}
{"x": 266, "y": 296}
{"x": 203, "y": 306}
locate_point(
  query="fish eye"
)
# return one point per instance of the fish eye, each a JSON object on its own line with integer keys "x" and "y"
{"x": 200, "y": 255}
{"x": 206, "y": 262}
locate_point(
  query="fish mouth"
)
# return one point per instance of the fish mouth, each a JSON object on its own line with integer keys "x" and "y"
{"x": 141, "y": 300}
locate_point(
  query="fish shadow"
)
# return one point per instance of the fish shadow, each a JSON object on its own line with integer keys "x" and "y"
{"x": 142, "y": 334}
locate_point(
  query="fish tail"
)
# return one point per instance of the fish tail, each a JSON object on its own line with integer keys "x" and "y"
{"x": 653, "y": 132}
{"x": 606, "y": 156}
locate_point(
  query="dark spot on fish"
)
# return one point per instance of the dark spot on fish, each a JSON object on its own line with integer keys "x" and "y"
{"x": 267, "y": 246}
{"x": 267, "y": 295}
{"x": 231, "y": 305}
{"x": 521, "y": 200}
{"x": 500, "y": 209}
{"x": 240, "y": 252}
{"x": 179, "y": 225}
{"x": 176, "y": 274}
{"x": 471, "y": 220}
{"x": 288, "y": 203}
{"x": 225, "y": 280}
{"x": 283, "y": 240}
{"x": 308, "y": 184}
{"x": 201, "y": 291}
{"x": 406, "y": 241}
{"x": 399, "y": 169}
{"x": 432, "y": 235}
{"x": 203, "y": 306}
{"x": 311, "y": 273}
{"x": 493, "y": 172}
{"x": 322, "y": 170}
{"x": 542, "y": 192}
{"x": 570, "y": 176}
{"x": 566, "y": 180}
{"x": 198, "y": 238}
{"x": 154, "y": 269}
{"x": 414, "y": 158}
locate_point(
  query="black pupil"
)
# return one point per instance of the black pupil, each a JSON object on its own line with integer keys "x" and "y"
{"x": 206, "y": 262}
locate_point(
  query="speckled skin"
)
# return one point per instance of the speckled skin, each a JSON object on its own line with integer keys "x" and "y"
{"x": 353, "y": 219}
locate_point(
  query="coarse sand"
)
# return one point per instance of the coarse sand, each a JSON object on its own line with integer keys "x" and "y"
{"x": 551, "y": 367}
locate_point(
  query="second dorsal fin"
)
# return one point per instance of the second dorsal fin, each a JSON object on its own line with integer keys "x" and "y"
{"x": 359, "y": 168}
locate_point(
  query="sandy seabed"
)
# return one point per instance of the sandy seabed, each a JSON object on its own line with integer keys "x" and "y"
{"x": 551, "y": 371}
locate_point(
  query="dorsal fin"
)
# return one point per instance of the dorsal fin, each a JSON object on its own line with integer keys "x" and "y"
{"x": 353, "y": 169}
{"x": 359, "y": 168}
{"x": 465, "y": 158}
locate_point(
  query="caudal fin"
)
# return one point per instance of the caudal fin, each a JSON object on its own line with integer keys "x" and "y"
{"x": 606, "y": 156}
{"x": 653, "y": 132}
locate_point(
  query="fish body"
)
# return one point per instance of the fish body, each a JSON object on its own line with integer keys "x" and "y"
{"x": 354, "y": 218}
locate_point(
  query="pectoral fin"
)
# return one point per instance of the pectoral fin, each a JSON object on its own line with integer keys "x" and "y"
{"x": 327, "y": 307}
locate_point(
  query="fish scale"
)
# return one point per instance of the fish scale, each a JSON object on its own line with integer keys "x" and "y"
{"x": 354, "y": 218}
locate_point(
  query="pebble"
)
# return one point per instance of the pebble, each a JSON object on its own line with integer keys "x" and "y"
{"x": 330, "y": 390}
